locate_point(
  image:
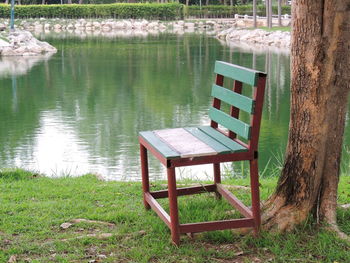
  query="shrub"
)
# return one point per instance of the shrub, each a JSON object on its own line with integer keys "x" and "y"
{"x": 137, "y": 11}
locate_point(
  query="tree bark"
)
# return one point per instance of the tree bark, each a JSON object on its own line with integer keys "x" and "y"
{"x": 270, "y": 14}
{"x": 319, "y": 89}
{"x": 254, "y": 13}
{"x": 279, "y": 7}
{"x": 267, "y": 12}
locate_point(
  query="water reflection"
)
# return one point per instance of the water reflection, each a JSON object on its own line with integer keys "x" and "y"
{"x": 20, "y": 65}
{"x": 81, "y": 110}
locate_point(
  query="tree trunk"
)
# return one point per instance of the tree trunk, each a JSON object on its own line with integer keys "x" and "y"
{"x": 254, "y": 13}
{"x": 279, "y": 12}
{"x": 80, "y": 2}
{"x": 267, "y": 12}
{"x": 270, "y": 14}
{"x": 6, "y": 2}
{"x": 69, "y": 2}
{"x": 319, "y": 90}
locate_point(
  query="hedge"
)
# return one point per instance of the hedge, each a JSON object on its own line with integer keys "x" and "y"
{"x": 229, "y": 11}
{"x": 147, "y": 11}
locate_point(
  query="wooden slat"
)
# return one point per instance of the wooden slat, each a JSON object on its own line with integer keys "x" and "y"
{"x": 216, "y": 145}
{"x": 233, "y": 98}
{"x": 185, "y": 191}
{"x": 216, "y": 225}
{"x": 234, "y": 146}
{"x": 158, "y": 209}
{"x": 184, "y": 143}
{"x": 234, "y": 201}
{"x": 159, "y": 145}
{"x": 239, "y": 73}
{"x": 230, "y": 123}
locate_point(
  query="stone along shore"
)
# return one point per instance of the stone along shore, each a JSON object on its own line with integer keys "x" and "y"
{"x": 21, "y": 42}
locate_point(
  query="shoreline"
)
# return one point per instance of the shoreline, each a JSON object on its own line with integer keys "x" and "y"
{"x": 233, "y": 31}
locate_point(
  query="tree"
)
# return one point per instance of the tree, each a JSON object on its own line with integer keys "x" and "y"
{"x": 268, "y": 5}
{"x": 320, "y": 83}
{"x": 254, "y": 13}
{"x": 279, "y": 7}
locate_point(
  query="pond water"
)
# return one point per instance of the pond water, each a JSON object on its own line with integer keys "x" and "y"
{"x": 80, "y": 110}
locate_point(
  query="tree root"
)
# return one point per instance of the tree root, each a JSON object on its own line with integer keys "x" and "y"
{"x": 279, "y": 217}
{"x": 79, "y": 220}
{"x": 340, "y": 234}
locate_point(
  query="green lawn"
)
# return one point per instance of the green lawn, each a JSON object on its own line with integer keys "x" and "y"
{"x": 275, "y": 28}
{"x": 32, "y": 208}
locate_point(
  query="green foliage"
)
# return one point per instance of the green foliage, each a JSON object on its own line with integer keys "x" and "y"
{"x": 228, "y": 11}
{"x": 136, "y": 11}
{"x": 147, "y": 11}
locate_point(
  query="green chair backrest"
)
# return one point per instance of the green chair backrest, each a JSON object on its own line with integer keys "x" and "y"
{"x": 238, "y": 102}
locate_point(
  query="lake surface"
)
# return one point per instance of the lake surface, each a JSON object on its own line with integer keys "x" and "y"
{"x": 80, "y": 110}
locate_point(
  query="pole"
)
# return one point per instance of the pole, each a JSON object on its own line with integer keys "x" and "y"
{"x": 12, "y": 20}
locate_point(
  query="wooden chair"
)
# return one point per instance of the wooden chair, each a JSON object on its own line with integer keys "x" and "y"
{"x": 210, "y": 144}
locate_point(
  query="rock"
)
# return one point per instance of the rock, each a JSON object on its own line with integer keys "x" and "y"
{"x": 258, "y": 36}
{"x": 22, "y": 43}
{"x": 96, "y": 24}
{"x": 127, "y": 24}
{"x": 66, "y": 225}
{"x": 121, "y": 25}
{"x": 189, "y": 25}
{"x": 12, "y": 259}
{"x": 144, "y": 23}
{"x": 4, "y": 43}
{"x": 2, "y": 27}
{"x": 153, "y": 25}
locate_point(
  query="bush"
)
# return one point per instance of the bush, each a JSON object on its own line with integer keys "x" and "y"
{"x": 136, "y": 11}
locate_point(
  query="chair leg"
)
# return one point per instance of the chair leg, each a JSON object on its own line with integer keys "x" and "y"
{"x": 217, "y": 177}
{"x": 145, "y": 176}
{"x": 174, "y": 213}
{"x": 254, "y": 184}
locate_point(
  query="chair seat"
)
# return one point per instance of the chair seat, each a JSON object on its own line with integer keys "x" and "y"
{"x": 191, "y": 142}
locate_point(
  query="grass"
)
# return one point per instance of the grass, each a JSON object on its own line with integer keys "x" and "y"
{"x": 275, "y": 28}
{"x": 32, "y": 208}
